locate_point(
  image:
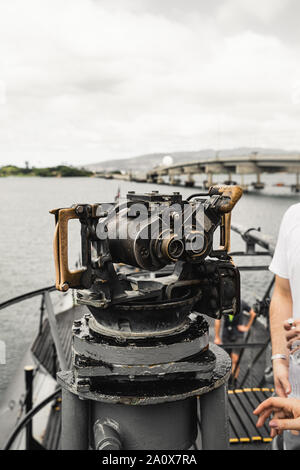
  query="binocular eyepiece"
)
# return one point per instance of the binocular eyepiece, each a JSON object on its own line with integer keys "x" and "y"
{"x": 146, "y": 231}
{"x": 151, "y": 231}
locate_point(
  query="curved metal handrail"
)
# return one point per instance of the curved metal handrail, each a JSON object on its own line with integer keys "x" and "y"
{"x": 29, "y": 295}
{"x": 28, "y": 417}
{"x": 44, "y": 292}
{"x": 256, "y": 237}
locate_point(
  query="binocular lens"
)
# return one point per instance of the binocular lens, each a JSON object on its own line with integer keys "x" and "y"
{"x": 175, "y": 248}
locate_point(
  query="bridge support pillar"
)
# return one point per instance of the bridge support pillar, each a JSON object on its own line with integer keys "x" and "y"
{"x": 258, "y": 185}
{"x": 296, "y": 187}
{"x": 229, "y": 180}
{"x": 151, "y": 179}
{"x": 209, "y": 182}
{"x": 244, "y": 186}
{"x": 190, "y": 182}
{"x": 173, "y": 181}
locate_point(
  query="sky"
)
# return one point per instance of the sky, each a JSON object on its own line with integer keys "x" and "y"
{"x": 83, "y": 81}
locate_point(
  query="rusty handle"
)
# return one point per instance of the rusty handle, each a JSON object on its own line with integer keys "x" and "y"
{"x": 231, "y": 194}
{"x": 64, "y": 277}
{"x": 225, "y": 232}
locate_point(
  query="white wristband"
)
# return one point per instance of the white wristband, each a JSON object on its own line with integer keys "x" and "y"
{"x": 278, "y": 356}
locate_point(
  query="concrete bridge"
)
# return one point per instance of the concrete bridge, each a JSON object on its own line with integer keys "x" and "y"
{"x": 254, "y": 164}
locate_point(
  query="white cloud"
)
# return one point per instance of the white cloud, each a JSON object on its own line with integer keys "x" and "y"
{"x": 240, "y": 10}
{"x": 265, "y": 10}
{"x": 87, "y": 80}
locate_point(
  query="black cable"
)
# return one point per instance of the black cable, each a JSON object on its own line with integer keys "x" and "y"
{"x": 197, "y": 195}
{"x": 28, "y": 417}
{"x": 29, "y": 295}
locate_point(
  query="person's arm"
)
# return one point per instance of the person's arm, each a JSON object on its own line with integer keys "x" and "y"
{"x": 280, "y": 310}
{"x": 217, "y": 332}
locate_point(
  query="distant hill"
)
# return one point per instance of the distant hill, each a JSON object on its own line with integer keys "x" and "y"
{"x": 55, "y": 171}
{"x": 144, "y": 163}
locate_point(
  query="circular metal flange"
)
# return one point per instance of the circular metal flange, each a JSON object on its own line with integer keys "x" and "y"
{"x": 201, "y": 365}
{"x": 146, "y": 351}
{"x": 96, "y": 327}
{"x": 146, "y": 318}
{"x": 156, "y": 393}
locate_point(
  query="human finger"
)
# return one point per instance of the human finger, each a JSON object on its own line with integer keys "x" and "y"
{"x": 292, "y": 334}
{"x": 285, "y": 424}
{"x": 275, "y": 403}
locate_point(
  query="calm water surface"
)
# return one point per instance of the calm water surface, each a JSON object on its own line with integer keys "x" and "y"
{"x": 26, "y": 233}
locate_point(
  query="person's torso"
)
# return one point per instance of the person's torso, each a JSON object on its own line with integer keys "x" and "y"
{"x": 293, "y": 257}
{"x": 293, "y": 261}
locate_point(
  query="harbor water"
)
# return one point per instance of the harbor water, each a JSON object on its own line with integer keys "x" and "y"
{"x": 27, "y": 228}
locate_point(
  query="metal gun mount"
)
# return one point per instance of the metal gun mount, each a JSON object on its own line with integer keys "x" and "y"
{"x": 144, "y": 342}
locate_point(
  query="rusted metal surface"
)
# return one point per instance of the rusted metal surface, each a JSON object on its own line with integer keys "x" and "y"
{"x": 231, "y": 196}
{"x": 143, "y": 354}
{"x": 148, "y": 239}
{"x": 203, "y": 364}
{"x": 64, "y": 277}
{"x": 155, "y": 395}
{"x": 146, "y": 351}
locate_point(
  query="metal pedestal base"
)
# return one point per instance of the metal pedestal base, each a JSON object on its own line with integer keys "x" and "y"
{"x": 153, "y": 422}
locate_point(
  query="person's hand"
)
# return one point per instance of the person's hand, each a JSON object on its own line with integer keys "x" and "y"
{"x": 218, "y": 340}
{"x": 243, "y": 328}
{"x": 281, "y": 377}
{"x": 286, "y": 414}
{"x": 293, "y": 333}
